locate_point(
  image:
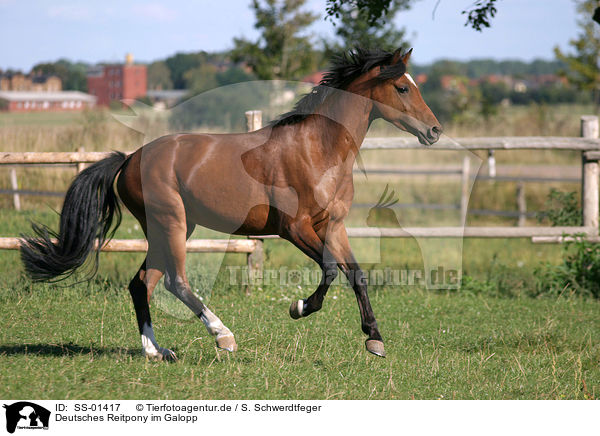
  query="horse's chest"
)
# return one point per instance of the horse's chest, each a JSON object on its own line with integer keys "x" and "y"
{"x": 333, "y": 192}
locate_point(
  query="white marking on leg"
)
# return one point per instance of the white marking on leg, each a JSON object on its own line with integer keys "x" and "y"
{"x": 150, "y": 346}
{"x": 300, "y": 307}
{"x": 410, "y": 79}
{"x": 213, "y": 324}
{"x": 149, "y": 341}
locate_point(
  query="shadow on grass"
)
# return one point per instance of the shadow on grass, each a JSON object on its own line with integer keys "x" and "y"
{"x": 64, "y": 350}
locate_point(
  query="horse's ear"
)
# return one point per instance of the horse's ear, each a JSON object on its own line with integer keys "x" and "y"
{"x": 406, "y": 57}
{"x": 397, "y": 57}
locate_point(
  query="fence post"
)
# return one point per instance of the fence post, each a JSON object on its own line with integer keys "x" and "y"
{"x": 589, "y": 175}
{"x": 464, "y": 196}
{"x": 491, "y": 163}
{"x": 521, "y": 204}
{"x": 256, "y": 258}
{"x": 253, "y": 120}
{"x": 15, "y": 187}
{"x": 80, "y": 165}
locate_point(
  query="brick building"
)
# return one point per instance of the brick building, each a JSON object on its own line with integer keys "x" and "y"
{"x": 31, "y": 101}
{"x": 36, "y": 82}
{"x": 117, "y": 82}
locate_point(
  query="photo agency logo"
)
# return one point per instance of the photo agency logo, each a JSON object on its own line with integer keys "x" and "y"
{"x": 25, "y": 415}
{"x": 237, "y": 183}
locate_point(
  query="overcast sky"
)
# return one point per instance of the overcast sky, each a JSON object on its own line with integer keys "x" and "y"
{"x": 33, "y": 31}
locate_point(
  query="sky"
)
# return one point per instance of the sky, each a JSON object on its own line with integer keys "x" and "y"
{"x": 34, "y": 31}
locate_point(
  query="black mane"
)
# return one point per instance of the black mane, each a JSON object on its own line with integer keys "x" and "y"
{"x": 344, "y": 69}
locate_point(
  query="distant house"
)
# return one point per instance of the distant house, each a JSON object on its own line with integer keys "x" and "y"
{"x": 32, "y": 82}
{"x": 455, "y": 84}
{"x": 421, "y": 78}
{"x": 164, "y": 98}
{"x": 43, "y": 83}
{"x": 30, "y": 101}
{"x": 117, "y": 82}
{"x": 314, "y": 78}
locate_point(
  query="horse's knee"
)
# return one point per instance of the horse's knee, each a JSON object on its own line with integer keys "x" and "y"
{"x": 168, "y": 282}
{"x": 182, "y": 290}
{"x": 176, "y": 285}
{"x": 330, "y": 273}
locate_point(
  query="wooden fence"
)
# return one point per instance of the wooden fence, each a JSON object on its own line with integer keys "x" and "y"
{"x": 588, "y": 144}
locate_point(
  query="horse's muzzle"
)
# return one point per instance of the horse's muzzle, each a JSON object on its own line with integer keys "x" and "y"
{"x": 433, "y": 134}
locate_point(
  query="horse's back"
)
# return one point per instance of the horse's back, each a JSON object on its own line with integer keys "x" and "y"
{"x": 204, "y": 172}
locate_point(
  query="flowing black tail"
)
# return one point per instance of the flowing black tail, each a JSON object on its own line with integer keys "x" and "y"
{"x": 88, "y": 213}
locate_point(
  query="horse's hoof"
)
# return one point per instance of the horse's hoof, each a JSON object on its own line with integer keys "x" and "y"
{"x": 168, "y": 355}
{"x": 375, "y": 347}
{"x": 227, "y": 343}
{"x": 296, "y": 309}
{"x": 162, "y": 354}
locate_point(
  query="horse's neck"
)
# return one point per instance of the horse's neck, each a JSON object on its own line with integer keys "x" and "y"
{"x": 345, "y": 120}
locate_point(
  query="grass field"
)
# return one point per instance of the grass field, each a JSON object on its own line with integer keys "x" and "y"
{"x": 80, "y": 340}
{"x": 489, "y": 340}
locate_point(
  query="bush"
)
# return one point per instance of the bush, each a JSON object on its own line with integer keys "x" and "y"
{"x": 562, "y": 209}
{"x": 500, "y": 281}
{"x": 580, "y": 270}
{"x": 579, "y": 273}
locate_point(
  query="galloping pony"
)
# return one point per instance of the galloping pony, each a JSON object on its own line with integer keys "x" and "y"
{"x": 292, "y": 178}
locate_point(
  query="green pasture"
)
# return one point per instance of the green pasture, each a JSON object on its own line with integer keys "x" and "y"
{"x": 80, "y": 340}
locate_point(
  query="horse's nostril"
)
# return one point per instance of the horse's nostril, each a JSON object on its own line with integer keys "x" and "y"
{"x": 437, "y": 130}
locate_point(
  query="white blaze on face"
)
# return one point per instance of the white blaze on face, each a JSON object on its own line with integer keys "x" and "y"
{"x": 410, "y": 79}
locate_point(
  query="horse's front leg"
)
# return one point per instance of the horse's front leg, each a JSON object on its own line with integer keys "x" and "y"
{"x": 314, "y": 303}
{"x": 303, "y": 235}
{"x": 337, "y": 243}
{"x": 335, "y": 252}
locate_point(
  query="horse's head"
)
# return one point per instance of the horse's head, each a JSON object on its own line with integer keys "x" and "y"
{"x": 398, "y": 100}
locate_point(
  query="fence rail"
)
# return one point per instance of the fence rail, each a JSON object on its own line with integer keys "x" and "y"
{"x": 77, "y": 159}
{"x": 588, "y": 145}
{"x": 141, "y": 245}
{"x": 591, "y": 145}
{"x": 488, "y": 143}
{"x": 446, "y": 170}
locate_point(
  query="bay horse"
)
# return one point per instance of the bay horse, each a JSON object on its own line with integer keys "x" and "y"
{"x": 292, "y": 178}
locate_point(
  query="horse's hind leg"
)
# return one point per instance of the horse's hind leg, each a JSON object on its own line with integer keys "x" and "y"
{"x": 141, "y": 287}
{"x": 170, "y": 239}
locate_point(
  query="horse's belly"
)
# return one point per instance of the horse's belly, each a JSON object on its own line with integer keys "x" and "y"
{"x": 227, "y": 215}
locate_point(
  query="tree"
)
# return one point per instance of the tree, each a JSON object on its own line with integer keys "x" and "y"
{"x": 201, "y": 78}
{"x": 582, "y": 66}
{"x": 283, "y": 50}
{"x": 233, "y": 75}
{"x": 159, "y": 76}
{"x": 354, "y": 29}
{"x": 179, "y": 63}
{"x": 72, "y": 75}
{"x": 478, "y": 15}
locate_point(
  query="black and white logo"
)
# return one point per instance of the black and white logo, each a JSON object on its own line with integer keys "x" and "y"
{"x": 26, "y": 415}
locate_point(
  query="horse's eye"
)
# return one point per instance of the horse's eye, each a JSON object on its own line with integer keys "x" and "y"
{"x": 402, "y": 89}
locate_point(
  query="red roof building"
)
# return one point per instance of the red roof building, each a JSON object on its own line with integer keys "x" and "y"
{"x": 31, "y": 101}
{"x": 314, "y": 78}
{"x": 117, "y": 82}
